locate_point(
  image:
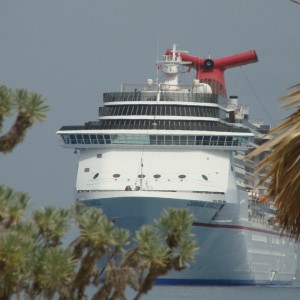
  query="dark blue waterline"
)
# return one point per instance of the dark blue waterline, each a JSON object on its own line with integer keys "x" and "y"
{"x": 169, "y": 281}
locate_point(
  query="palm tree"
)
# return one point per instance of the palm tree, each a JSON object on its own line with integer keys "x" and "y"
{"x": 12, "y": 206}
{"x": 172, "y": 248}
{"x": 54, "y": 271}
{"x": 30, "y": 109}
{"x": 52, "y": 223}
{"x": 160, "y": 248}
{"x": 16, "y": 252}
{"x": 283, "y": 166}
{"x": 34, "y": 264}
{"x": 97, "y": 237}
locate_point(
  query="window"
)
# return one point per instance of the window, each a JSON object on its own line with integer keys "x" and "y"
{"x": 168, "y": 140}
{"x": 134, "y": 110}
{"x": 189, "y": 111}
{"x": 176, "y": 140}
{"x": 199, "y": 140}
{"x": 79, "y": 139}
{"x": 99, "y": 155}
{"x": 214, "y": 140}
{"x": 204, "y": 177}
{"x": 73, "y": 139}
{"x": 66, "y": 138}
{"x": 100, "y": 138}
{"x": 206, "y": 140}
{"x": 195, "y": 111}
{"x": 86, "y": 170}
{"x": 221, "y": 140}
{"x": 160, "y": 140}
{"x": 173, "y": 111}
{"x": 107, "y": 139}
{"x": 191, "y": 140}
{"x": 86, "y": 138}
{"x": 183, "y": 140}
{"x": 168, "y": 111}
{"x": 93, "y": 138}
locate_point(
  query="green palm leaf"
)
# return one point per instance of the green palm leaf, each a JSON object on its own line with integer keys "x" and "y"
{"x": 6, "y": 104}
{"x": 31, "y": 104}
{"x": 30, "y": 109}
{"x": 53, "y": 223}
{"x": 283, "y": 166}
{"x": 15, "y": 261}
{"x": 12, "y": 206}
{"x": 54, "y": 270}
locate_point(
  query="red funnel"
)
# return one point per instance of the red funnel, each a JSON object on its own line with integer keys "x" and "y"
{"x": 212, "y": 71}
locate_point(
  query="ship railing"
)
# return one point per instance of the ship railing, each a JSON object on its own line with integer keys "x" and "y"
{"x": 164, "y": 96}
{"x": 149, "y": 124}
{"x": 154, "y": 87}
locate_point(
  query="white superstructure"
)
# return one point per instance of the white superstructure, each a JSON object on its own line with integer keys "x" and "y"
{"x": 166, "y": 145}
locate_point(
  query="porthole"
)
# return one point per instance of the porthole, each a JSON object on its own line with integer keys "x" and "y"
{"x": 204, "y": 177}
{"x": 116, "y": 175}
{"x": 156, "y": 176}
{"x": 182, "y": 176}
{"x": 96, "y": 175}
{"x": 141, "y": 176}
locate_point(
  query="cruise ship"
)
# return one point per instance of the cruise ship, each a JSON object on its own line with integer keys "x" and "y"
{"x": 166, "y": 144}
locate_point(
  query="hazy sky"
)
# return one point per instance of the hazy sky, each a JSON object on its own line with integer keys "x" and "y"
{"x": 71, "y": 51}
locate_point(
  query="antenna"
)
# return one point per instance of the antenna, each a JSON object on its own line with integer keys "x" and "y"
{"x": 142, "y": 175}
{"x": 157, "y": 51}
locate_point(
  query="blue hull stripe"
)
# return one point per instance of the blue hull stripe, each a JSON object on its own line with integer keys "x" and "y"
{"x": 179, "y": 281}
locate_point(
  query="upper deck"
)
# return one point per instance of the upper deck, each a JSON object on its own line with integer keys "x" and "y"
{"x": 162, "y": 96}
{"x": 165, "y": 113}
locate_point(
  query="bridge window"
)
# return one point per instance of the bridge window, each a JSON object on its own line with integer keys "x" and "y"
{"x": 73, "y": 139}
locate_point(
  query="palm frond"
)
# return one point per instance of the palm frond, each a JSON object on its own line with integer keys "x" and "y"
{"x": 31, "y": 104}
{"x": 283, "y": 165}
{"x": 6, "y": 104}
{"x": 30, "y": 108}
